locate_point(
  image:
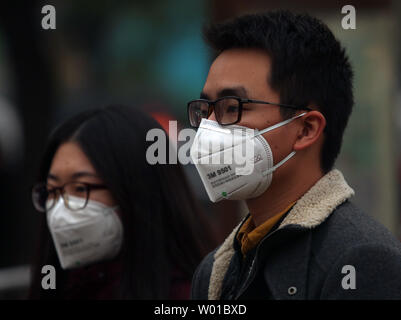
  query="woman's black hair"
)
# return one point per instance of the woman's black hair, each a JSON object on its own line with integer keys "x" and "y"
{"x": 163, "y": 227}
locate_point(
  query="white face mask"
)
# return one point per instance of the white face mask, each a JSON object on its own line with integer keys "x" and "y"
{"x": 85, "y": 236}
{"x": 235, "y": 180}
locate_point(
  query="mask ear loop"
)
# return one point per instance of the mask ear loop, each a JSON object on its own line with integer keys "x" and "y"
{"x": 278, "y": 125}
{"x": 268, "y": 171}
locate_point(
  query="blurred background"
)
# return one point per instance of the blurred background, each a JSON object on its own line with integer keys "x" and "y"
{"x": 151, "y": 54}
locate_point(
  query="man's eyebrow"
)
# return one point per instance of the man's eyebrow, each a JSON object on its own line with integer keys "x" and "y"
{"x": 229, "y": 91}
{"x": 204, "y": 96}
{"x": 234, "y": 91}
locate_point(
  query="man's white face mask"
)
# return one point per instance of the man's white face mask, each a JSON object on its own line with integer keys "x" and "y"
{"x": 85, "y": 236}
{"x": 249, "y": 175}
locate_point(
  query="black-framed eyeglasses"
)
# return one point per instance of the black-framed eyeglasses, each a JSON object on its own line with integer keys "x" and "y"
{"x": 227, "y": 110}
{"x": 45, "y": 196}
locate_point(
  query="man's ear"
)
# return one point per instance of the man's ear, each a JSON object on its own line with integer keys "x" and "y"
{"x": 310, "y": 129}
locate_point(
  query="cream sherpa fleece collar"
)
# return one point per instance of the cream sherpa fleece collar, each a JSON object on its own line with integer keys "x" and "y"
{"x": 310, "y": 210}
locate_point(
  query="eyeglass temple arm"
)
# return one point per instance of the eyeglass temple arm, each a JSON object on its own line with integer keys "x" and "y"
{"x": 276, "y": 104}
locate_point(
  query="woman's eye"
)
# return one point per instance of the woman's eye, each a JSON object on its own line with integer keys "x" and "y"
{"x": 80, "y": 189}
{"x": 51, "y": 193}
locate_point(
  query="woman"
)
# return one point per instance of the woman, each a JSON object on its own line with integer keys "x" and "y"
{"x": 114, "y": 226}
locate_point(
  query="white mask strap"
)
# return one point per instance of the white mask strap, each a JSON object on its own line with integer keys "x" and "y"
{"x": 279, "y": 164}
{"x": 279, "y": 124}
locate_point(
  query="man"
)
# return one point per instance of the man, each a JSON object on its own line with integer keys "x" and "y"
{"x": 303, "y": 237}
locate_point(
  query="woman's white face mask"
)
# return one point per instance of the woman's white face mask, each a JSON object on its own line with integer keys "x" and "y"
{"x": 85, "y": 236}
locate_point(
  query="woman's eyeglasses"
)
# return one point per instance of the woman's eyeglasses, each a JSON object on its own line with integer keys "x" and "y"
{"x": 45, "y": 196}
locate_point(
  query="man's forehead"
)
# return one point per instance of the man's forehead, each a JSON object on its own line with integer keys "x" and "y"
{"x": 239, "y": 69}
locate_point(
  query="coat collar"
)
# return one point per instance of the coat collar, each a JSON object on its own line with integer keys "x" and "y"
{"x": 311, "y": 210}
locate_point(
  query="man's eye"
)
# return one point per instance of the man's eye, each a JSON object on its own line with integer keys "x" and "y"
{"x": 232, "y": 109}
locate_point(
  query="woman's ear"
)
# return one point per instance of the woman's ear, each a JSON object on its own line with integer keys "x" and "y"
{"x": 310, "y": 130}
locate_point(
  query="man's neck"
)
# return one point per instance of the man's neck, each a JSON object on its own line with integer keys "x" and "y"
{"x": 280, "y": 195}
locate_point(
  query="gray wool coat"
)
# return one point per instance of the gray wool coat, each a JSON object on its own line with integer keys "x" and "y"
{"x": 324, "y": 248}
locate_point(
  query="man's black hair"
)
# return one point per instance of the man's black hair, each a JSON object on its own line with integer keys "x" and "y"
{"x": 309, "y": 66}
